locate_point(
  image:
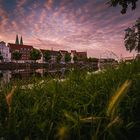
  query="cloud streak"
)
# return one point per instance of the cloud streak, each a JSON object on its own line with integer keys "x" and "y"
{"x": 67, "y": 24}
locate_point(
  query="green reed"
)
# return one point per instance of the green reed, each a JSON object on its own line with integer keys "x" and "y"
{"x": 96, "y": 106}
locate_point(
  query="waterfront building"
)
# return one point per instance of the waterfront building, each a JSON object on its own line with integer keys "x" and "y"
{"x": 53, "y": 55}
{"x": 24, "y": 50}
{"x": 4, "y": 52}
{"x": 63, "y": 53}
{"x": 81, "y": 56}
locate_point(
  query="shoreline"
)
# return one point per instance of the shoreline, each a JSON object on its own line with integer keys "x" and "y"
{"x": 14, "y": 66}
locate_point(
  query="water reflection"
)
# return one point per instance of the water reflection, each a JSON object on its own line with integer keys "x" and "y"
{"x": 25, "y": 74}
{"x": 5, "y": 77}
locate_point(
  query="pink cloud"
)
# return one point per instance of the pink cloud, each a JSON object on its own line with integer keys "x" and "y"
{"x": 48, "y": 4}
{"x": 91, "y": 26}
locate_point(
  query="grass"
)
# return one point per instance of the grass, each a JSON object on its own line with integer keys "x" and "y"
{"x": 101, "y": 106}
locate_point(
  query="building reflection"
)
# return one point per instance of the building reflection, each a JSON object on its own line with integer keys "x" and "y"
{"x": 5, "y": 76}
{"x": 25, "y": 74}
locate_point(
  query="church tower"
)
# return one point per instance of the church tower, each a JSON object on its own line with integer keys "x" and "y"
{"x": 21, "y": 41}
{"x": 17, "y": 41}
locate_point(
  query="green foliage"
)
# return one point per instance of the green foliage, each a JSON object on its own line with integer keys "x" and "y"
{"x": 16, "y": 55}
{"x": 59, "y": 56}
{"x": 75, "y": 58}
{"x": 83, "y": 106}
{"x": 114, "y": 101}
{"x": 47, "y": 55}
{"x": 35, "y": 54}
{"x": 124, "y": 4}
{"x": 67, "y": 57}
{"x": 132, "y": 37}
{"x": 91, "y": 59}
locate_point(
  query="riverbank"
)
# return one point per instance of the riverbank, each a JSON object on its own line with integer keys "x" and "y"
{"x": 98, "y": 106}
{"x": 13, "y": 66}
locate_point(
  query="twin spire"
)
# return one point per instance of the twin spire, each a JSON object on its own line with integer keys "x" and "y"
{"x": 17, "y": 40}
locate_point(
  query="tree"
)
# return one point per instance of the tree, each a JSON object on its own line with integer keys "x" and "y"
{"x": 47, "y": 55}
{"x": 67, "y": 57}
{"x": 16, "y": 55}
{"x": 35, "y": 54}
{"x": 1, "y": 57}
{"x": 17, "y": 41}
{"x": 92, "y": 59}
{"x": 132, "y": 37}
{"x": 75, "y": 58}
{"x": 124, "y": 4}
{"x": 58, "y": 58}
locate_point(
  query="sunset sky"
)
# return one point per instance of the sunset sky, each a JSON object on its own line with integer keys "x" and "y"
{"x": 82, "y": 25}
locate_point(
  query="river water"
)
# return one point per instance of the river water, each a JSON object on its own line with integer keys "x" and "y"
{"x": 25, "y": 74}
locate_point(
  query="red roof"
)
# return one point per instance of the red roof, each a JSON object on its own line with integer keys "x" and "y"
{"x": 17, "y": 47}
{"x": 63, "y": 51}
{"x": 51, "y": 51}
{"x": 2, "y": 42}
{"x": 23, "y": 49}
{"x": 78, "y": 53}
{"x": 81, "y": 52}
{"x": 73, "y": 51}
{"x": 42, "y": 50}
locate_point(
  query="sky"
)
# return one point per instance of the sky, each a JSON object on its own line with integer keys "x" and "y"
{"x": 82, "y": 25}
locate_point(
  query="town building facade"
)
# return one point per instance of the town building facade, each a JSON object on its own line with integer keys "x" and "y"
{"x": 4, "y": 52}
{"x": 53, "y": 56}
{"x": 7, "y": 53}
{"x": 63, "y": 53}
{"x": 80, "y": 56}
{"x": 24, "y": 50}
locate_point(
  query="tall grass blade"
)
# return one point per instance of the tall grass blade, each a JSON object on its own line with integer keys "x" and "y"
{"x": 116, "y": 99}
{"x": 90, "y": 119}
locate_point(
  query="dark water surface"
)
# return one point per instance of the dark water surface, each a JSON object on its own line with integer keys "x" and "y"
{"x": 25, "y": 74}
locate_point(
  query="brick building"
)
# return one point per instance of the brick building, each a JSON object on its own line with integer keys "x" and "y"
{"x": 81, "y": 56}
{"x": 53, "y": 55}
{"x": 23, "y": 49}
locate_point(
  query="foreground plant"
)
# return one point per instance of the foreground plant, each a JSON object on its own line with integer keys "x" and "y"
{"x": 99, "y": 106}
{"x": 116, "y": 98}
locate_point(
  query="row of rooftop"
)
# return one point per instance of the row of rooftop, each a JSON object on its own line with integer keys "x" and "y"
{"x": 7, "y": 50}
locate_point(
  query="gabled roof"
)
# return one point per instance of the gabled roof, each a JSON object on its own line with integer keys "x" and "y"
{"x": 78, "y": 53}
{"x": 63, "y": 51}
{"x": 54, "y": 52}
{"x": 51, "y": 51}
{"x": 18, "y": 47}
{"x": 81, "y": 53}
{"x": 42, "y": 50}
{"x": 2, "y": 42}
{"x": 73, "y": 51}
